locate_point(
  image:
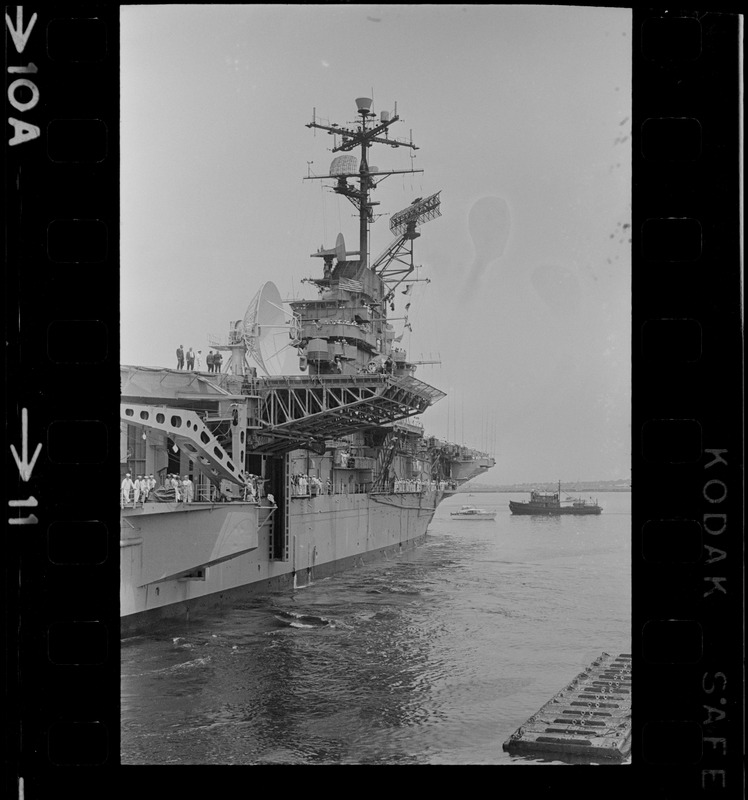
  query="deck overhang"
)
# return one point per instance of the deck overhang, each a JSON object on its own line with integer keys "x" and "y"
{"x": 317, "y": 408}
{"x": 290, "y": 411}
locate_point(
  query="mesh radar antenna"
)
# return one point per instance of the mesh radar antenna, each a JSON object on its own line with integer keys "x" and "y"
{"x": 363, "y": 135}
{"x": 396, "y": 262}
{"x": 264, "y": 333}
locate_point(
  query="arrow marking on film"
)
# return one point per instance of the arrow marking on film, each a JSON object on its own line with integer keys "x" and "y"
{"x": 24, "y": 467}
{"x": 30, "y": 520}
{"x": 30, "y": 503}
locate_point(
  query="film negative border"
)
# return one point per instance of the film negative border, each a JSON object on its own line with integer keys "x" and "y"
{"x": 687, "y": 424}
{"x": 61, "y": 325}
{"x": 62, "y": 621}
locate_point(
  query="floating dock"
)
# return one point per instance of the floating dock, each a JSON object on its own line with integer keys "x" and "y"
{"x": 589, "y": 718}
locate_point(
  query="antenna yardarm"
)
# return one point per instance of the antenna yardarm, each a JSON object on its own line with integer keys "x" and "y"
{"x": 363, "y": 137}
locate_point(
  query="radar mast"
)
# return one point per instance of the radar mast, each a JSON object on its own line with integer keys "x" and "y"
{"x": 363, "y": 136}
{"x": 348, "y": 329}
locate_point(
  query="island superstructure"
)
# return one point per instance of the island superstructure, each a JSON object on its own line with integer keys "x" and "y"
{"x": 295, "y": 476}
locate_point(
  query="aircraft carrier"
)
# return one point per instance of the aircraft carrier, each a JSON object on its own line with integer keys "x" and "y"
{"x": 250, "y": 480}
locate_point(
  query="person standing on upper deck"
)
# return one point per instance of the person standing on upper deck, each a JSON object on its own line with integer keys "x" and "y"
{"x": 190, "y": 359}
{"x": 127, "y": 487}
{"x": 144, "y": 489}
{"x": 180, "y": 357}
{"x": 198, "y": 360}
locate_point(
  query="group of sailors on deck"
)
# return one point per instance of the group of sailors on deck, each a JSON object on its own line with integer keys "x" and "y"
{"x": 303, "y": 485}
{"x": 184, "y": 490}
{"x": 365, "y": 327}
{"x": 194, "y": 360}
{"x": 140, "y": 488}
{"x": 417, "y": 485}
{"x": 311, "y": 486}
{"x": 253, "y": 488}
{"x": 138, "y": 491}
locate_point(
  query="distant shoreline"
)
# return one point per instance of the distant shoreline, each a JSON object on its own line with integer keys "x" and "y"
{"x": 541, "y": 487}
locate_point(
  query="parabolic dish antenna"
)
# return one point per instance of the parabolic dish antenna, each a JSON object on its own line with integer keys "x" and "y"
{"x": 266, "y": 329}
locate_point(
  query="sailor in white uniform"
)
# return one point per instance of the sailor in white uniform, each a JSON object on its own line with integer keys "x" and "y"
{"x": 187, "y": 489}
{"x": 127, "y": 486}
{"x": 175, "y": 486}
{"x": 136, "y": 495}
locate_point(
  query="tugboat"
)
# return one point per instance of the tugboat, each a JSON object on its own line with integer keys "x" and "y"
{"x": 550, "y": 504}
{"x": 285, "y": 479}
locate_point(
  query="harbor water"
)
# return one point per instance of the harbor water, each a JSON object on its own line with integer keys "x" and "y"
{"x": 433, "y": 657}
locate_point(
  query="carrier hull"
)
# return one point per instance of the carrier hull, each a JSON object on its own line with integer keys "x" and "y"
{"x": 327, "y": 534}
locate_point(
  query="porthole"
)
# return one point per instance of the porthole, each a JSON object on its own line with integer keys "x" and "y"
{"x": 144, "y": 415}
{"x": 160, "y": 418}
{"x": 176, "y": 422}
{"x": 129, "y": 412}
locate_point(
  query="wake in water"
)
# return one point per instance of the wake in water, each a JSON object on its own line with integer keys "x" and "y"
{"x": 293, "y": 619}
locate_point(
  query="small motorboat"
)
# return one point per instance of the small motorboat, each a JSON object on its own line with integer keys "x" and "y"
{"x": 472, "y": 512}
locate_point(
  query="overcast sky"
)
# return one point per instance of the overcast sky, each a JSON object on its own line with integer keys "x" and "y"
{"x": 522, "y": 117}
